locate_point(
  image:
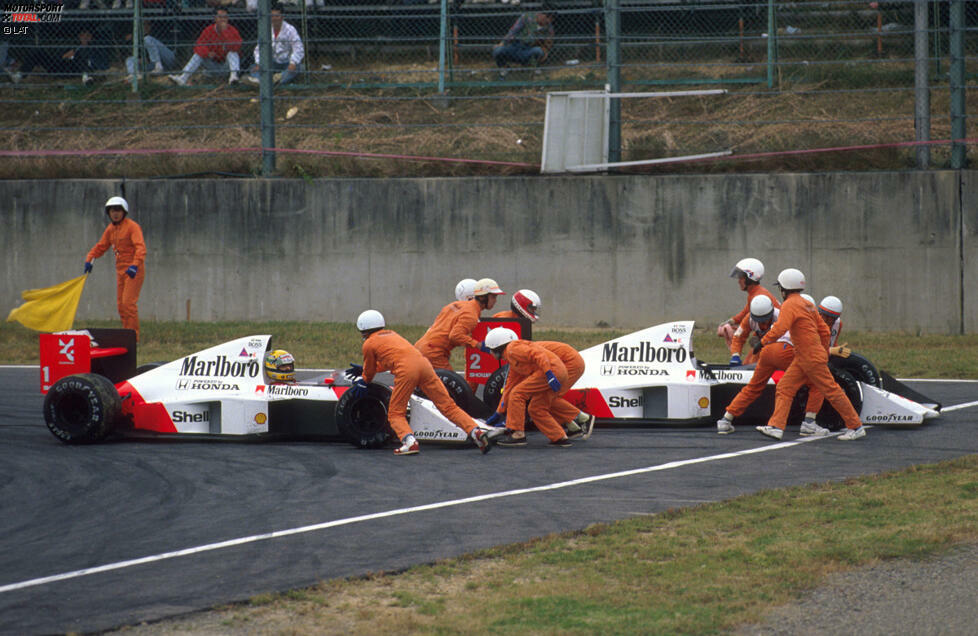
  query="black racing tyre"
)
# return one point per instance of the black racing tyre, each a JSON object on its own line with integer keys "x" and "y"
{"x": 827, "y": 416}
{"x": 494, "y": 387}
{"x": 149, "y": 366}
{"x": 82, "y": 409}
{"x": 860, "y": 368}
{"x": 460, "y": 392}
{"x": 363, "y": 421}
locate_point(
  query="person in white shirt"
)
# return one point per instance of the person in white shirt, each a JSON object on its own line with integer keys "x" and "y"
{"x": 287, "y": 50}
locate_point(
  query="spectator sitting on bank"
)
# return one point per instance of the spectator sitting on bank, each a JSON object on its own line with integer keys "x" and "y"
{"x": 85, "y": 59}
{"x": 217, "y": 49}
{"x": 287, "y": 50}
{"x": 160, "y": 55}
{"x": 528, "y": 42}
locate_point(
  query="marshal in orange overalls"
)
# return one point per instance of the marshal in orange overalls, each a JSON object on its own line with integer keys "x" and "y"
{"x": 527, "y": 383}
{"x": 452, "y": 328}
{"x": 810, "y": 335}
{"x": 385, "y": 350}
{"x": 126, "y": 240}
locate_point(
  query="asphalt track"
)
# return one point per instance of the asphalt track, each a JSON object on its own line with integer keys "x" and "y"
{"x": 96, "y": 537}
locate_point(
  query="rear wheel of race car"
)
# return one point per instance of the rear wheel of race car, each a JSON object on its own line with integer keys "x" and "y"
{"x": 363, "y": 421}
{"x": 82, "y": 409}
{"x": 827, "y": 416}
{"x": 494, "y": 387}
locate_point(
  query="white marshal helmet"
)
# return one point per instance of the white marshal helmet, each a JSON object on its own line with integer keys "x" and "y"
{"x": 465, "y": 290}
{"x": 526, "y": 302}
{"x": 500, "y": 336}
{"x": 752, "y": 268}
{"x": 761, "y": 308}
{"x": 830, "y": 306}
{"x": 370, "y": 319}
{"x": 791, "y": 278}
{"x": 486, "y": 286}
{"x": 117, "y": 201}
{"x": 808, "y": 298}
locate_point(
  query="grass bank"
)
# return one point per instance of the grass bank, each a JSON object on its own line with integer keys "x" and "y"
{"x": 334, "y": 344}
{"x": 688, "y": 571}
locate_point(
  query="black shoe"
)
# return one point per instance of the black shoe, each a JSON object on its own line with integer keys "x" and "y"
{"x": 562, "y": 443}
{"x": 588, "y": 427}
{"x": 509, "y": 440}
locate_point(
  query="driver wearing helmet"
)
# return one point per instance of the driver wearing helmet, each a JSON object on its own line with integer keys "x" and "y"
{"x": 125, "y": 237}
{"x": 454, "y": 324}
{"x": 385, "y": 350}
{"x": 810, "y": 335}
{"x": 536, "y": 377}
{"x": 524, "y": 304}
{"x": 748, "y": 272}
{"x": 280, "y": 367}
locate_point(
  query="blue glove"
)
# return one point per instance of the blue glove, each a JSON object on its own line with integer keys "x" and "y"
{"x": 735, "y": 360}
{"x": 131, "y": 272}
{"x": 359, "y": 388}
{"x": 484, "y": 348}
{"x": 88, "y": 266}
{"x": 355, "y": 371}
{"x": 497, "y": 420}
{"x": 553, "y": 381}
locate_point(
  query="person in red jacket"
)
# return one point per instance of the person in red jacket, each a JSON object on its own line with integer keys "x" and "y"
{"x": 385, "y": 350}
{"x": 810, "y": 335}
{"x": 125, "y": 237}
{"x": 748, "y": 272}
{"x": 536, "y": 377}
{"x": 217, "y": 49}
{"x": 454, "y": 324}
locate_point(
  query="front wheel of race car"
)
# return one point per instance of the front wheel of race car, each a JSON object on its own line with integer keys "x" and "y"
{"x": 363, "y": 421}
{"x": 82, "y": 409}
{"x": 494, "y": 387}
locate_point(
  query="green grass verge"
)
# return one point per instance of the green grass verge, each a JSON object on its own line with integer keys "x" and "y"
{"x": 695, "y": 570}
{"x": 335, "y": 344}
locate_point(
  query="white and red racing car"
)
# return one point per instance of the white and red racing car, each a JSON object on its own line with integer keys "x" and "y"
{"x": 219, "y": 392}
{"x": 651, "y": 376}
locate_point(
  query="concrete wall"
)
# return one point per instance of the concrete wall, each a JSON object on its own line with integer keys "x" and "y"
{"x": 628, "y": 251}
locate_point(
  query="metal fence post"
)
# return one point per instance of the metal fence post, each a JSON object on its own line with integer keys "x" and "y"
{"x": 137, "y": 43}
{"x": 266, "y": 97}
{"x": 772, "y": 34}
{"x": 442, "y": 46}
{"x": 921, "y": 91}
{"x": 959, "y": 149}
{"x": 612, "y": 24}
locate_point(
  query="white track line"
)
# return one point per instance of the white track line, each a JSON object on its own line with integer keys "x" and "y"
{"x": 393, "y": 513}
{"x": 958, "y": 407}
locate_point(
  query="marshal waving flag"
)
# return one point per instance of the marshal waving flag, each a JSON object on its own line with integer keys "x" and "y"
{"x": 51, "y": 308}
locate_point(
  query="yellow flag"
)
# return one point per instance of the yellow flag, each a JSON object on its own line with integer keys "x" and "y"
{"x": 50, "y": 309}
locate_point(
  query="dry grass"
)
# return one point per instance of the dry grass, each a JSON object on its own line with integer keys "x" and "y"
{"x": 810, "y": 108}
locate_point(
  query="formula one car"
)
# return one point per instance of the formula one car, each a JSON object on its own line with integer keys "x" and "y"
{"x": 219, "y": 392}
{"x": 652, "y": 377}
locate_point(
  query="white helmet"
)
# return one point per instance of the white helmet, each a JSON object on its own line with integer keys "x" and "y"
{"x": 465, "y": 290}
{"x": 808, "y": 298}
{"x": 830, "y": 306}
{"x": 791, "y": 279}
{"x": 752, "y": 268}
{"x": 527, "y": 304}
{"x": 370, "y": 319}
{"x": 487, "y": 286}
{"x": 500, "y": 336}
{"x": 117, "y": 201}
{"x": 761, "y": 308}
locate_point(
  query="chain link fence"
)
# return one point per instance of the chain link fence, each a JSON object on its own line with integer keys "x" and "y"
{"x": 466, "y": 79}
